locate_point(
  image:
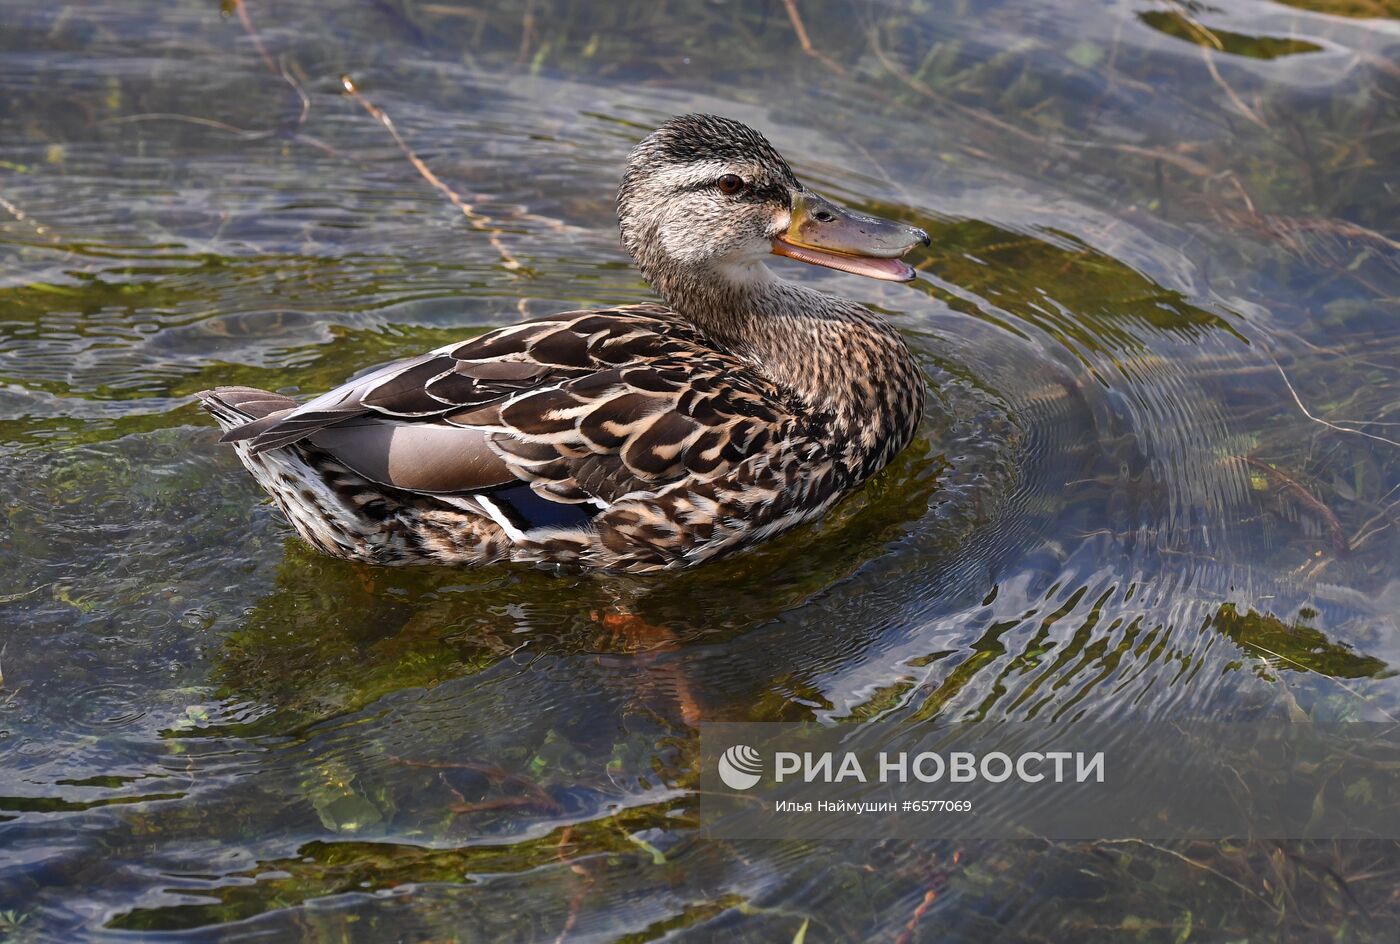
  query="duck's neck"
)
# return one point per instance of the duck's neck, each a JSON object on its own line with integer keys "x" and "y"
{"x": 840, "y": 358}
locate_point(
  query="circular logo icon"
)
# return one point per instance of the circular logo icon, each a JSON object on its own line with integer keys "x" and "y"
{"x": 740, "y": 767}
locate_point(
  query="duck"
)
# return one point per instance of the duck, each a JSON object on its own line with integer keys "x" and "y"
{"x": 638, "y": 438}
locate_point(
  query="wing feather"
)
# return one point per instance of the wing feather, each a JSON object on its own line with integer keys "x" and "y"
{"x": 585, "y": 409}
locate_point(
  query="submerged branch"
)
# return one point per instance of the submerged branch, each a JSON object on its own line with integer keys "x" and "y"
{"x": 246, "y": 19}
{"x": 1291, "y": 485}
{"x": 22, "y": 217}
{"x": 1196, "y": 864}
{"x": 247, "y": 134}
{"x": 806, "y": 41}
{"x": 478, "y": 220}
{"x": 977, "y": 114}
{"x": 1328, "y": 423}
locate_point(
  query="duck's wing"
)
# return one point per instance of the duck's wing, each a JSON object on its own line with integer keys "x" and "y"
{"x": 586, "y": 408}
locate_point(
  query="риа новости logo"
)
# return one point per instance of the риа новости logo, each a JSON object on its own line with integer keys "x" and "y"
{"x": 740, "y": 767}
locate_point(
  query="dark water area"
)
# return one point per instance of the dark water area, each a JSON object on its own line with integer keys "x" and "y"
{"x": 1159, "y": 477}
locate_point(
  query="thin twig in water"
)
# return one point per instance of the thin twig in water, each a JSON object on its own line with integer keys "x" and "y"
{"x": 294, "y": 129}
{"x": 575, "y": 903}
{"x": 244, "y": 133}
{"x": 1366, "y": 531}
{"x": 1362, "y": 699}
{"x": 1180, "y": 161}
{"x": 188, "y": 119}
{"x": 907, "y": 934}
{"x": 247, "y": 20}
{"x": 1328, "y": 423}
{"x": 1209, "y": 40}
{"x": 1337, "y": 878}
{"x": 976, "y": 114}
{"x": 1235, "y": 100}
{"x": 478, "y": 220}
{"x": 1194, "y": 864}
{"x": 806, "y": 41}
{"x": 527, "y": 31}
{"x": 301, "y": 94}
{"x": 904, "y": 196}
{"x": 22, "y": 217}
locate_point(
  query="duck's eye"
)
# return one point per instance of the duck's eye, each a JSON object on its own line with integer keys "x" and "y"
{"x": 730, "y": 184}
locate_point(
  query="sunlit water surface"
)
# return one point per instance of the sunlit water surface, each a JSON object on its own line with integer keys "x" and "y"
{"x": 1148, "y": 221}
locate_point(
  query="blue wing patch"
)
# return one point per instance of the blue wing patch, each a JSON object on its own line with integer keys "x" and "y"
{"x": 527, "y": 510}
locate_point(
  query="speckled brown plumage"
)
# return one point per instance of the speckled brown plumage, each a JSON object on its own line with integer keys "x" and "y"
{"x": 635, "y": 438}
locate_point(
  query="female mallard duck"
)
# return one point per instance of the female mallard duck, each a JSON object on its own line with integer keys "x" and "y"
{"x": 636, "y": 438}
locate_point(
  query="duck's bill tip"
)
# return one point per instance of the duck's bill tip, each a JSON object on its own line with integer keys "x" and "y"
{"x": 888, "y": 269}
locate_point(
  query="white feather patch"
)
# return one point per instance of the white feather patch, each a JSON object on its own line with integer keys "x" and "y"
{"x": 492, "y": 509}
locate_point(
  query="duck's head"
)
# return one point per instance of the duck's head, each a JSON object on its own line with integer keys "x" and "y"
{"x": 709, "y": 199}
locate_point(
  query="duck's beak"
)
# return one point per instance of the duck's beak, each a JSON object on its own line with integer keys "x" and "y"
{"x": 825, "y": 234}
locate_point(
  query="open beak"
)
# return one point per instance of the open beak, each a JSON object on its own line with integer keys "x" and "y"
{"x": 825, "y": 234}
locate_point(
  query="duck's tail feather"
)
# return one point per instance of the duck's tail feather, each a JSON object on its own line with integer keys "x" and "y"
{"x": 244, "y": 412}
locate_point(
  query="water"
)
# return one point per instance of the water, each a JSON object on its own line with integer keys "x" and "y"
{"x": 1149, "y": 222}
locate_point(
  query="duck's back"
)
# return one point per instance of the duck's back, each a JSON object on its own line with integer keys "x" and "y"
{"x": 621, "y": 438}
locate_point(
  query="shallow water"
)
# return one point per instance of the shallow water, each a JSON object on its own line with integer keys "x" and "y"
{"x": 1161, "y": 232}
